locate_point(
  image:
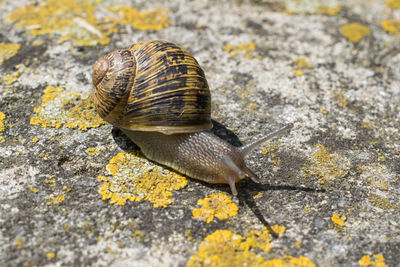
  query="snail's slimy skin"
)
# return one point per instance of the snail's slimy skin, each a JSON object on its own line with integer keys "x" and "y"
{"x": 198, "y": 155}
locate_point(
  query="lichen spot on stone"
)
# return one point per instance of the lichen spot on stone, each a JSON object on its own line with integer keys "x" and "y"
{"x": 72, "y": 20}
{"x": 60, "y": 107}
{"x": 338, "y": 219}
{"x": 218, "y": 206}
{"x": 225, "y": 248}
{"x": 246, "y": 49}
{"x": 92, "y": 151}
{"x": 324, "y": 165}
{"x": 354, "y": 32}
{"x": 391, "y": 26}
{"x": 393, "y": 4}
{"x": 377, "y": 260}
{"x": 7, "y": 51}
{"x": 2, "y": 127}
{"x": 136, "y": 179}
{"x": 152, "y": 20}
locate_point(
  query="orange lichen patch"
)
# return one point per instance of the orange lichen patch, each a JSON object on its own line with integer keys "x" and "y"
{"x": 269, "y": 150}
{"x": 244, "y": 49}
{"x": 224, "y": 248}
{"x": 391, "y": 26}
{"x": 338, "y": 219}
{"x": 217, "y": 205}
{"x": 92, "y": 151}
{"x": 7, "y": 51}
{"x": 324, "y": 165}
{"x": 354, "y": 32}
{"x": 393, "y": 4}
{"x": 152, "y": 20}
{"x": 72, "y": 20}
{"x": 71, "y": 109}
{"x": 379, "y": 261}
{"x": 135, "y": 179}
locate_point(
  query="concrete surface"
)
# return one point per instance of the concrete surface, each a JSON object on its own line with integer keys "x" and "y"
{"x": 75, "y": 191}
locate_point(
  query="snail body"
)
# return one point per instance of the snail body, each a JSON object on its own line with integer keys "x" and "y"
{"x": 157, "y": 94}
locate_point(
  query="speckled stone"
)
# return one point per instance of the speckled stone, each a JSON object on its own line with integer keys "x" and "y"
{"x": 332, "y": 184}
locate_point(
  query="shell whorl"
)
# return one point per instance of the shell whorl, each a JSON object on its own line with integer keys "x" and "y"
{"x": 152, "y": 86}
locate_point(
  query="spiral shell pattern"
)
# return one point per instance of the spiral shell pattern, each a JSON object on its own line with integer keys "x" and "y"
{"x": 152, "y": 86}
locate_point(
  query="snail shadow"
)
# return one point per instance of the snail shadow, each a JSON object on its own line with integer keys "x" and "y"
{"x": 246, "y": 198}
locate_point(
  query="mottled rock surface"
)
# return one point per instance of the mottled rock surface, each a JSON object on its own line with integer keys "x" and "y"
{"x": 75, "y": 191}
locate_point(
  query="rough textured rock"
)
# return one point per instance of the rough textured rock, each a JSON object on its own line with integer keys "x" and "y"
{"x": 75, "y": 191}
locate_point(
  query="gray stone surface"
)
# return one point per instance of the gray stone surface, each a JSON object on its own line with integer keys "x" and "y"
{"x": 333, "y": 182}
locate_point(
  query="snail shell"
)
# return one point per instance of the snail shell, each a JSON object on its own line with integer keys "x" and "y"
{"x": 152, "y": 86}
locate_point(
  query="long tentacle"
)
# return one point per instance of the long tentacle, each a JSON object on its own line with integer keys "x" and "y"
{"x": 246, "y": 149}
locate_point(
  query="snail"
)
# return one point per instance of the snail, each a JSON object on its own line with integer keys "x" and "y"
{"x": 157, "y": 94}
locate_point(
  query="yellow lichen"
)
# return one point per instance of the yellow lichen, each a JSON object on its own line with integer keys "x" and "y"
{"x": 382, "y": 203}
{"x": 50, "y": 255}
{"x": 354, "y": 32}
{"x": 7, "y": 51}
{"x": 324, "y": 165}
{"x": 258, "y": 195}
{"x": 225, "y": 248}
{"x": 217, "y": 205}
{"x": 2, "y": 119}
{"x": 337, "y": 219}
{"x": 393, "y": 4}
{"x": 135, "y": 179}
{"x": 301, "y": 63}
{"x": 391, "y": 26}
{"x": 269, "y": 150}
{"x": 11, "y": 78}
{"x": 244, "y": 49}
{"x": 379, "y": 261}
{"x": 33, "y": 189}
{"x": 19, "y": 242}
{"x": 153, "y": 20}
{"x": 71, "y": 19}
{"x": 312, "y": 7}
{"x": 57, "y": 199}
{"x": 2, "y": 127}
{"x": 92, "y": 151}
{"x": 35, "y": 140}
{"x": 340, "y": 99}
{"x": 71, "y": 109}
{"x": 331, "y": 11}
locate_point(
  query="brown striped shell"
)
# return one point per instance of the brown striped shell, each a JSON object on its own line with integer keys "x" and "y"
{"x": 152, "y": 86}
